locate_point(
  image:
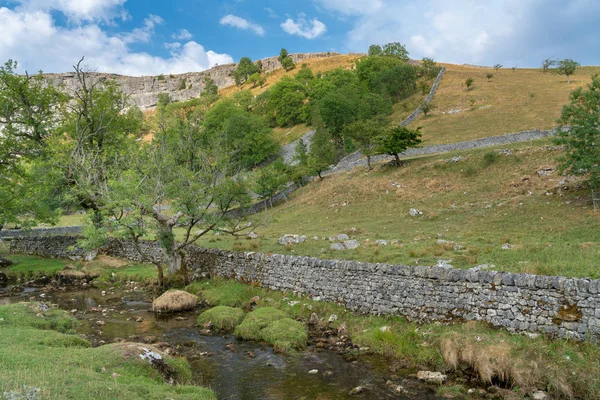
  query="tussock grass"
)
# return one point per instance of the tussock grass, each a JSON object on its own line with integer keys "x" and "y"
{"x": 285, "y": 335}
{"x": 252, "y": 326}
{"x": 174, "y": 301}
{"x": 222, "y": 317}
{"x": 232, "y": 295}
{"x": 564, "y": 368}
{"x": 33, "y": 353}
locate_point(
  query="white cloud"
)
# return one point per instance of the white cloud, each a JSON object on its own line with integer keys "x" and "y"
{"x": 33, "y": 38}
{"x": 241, "y": 23}
{"x": 183, "y": 34}
{"x": 272, "y": 14}
{"x": 307, "y": 29}
{"x": 143, "y": 35}
{"x": 79, "y": 10}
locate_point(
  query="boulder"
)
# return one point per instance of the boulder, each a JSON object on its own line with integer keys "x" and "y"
{"x": 337, "y": 246}
{"x": 431, "y": 377}
{"x": 414, "y": 212}
{"x": 5, "y": 263}
{"x": 292, "y": 239}
{"x": 351, "y": 244}
{"x": 174, "y": 301}
{"x": 381, "y": 242}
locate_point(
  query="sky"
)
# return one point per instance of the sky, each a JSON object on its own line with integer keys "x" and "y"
{"x": 150, "y": 37}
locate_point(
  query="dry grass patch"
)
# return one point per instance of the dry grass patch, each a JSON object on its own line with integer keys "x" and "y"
{"x": 174, "y": 301}
{"x": 317, "y": 65}
{"x": 510, "y": 102}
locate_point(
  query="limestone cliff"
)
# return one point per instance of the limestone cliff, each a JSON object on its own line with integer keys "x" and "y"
{"x": 144, "y": 90}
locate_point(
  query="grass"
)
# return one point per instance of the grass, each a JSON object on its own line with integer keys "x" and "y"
{"x": 288, "y": 135}
{"x": 36, "y": 351}
{"x": 256, "y": 321}
{"x": 109, "y": 270}
{"x": 232, "y": 295}
{"x": 285, "y": 335}
{"x": 174, "y": 301}
{"x": 482, "y": 202}
{"x": 222, "y": 317}
{"x": 511, "y": 102}
{"x": 562, "y": 367}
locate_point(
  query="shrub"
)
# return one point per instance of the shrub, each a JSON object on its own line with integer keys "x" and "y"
{"x": 490, "y": 158}
{"x": 257, "y": 320}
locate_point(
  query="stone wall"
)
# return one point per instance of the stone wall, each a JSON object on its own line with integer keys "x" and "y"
{"x": 557, "y": 306}
{"x": 415, "y": 114}
{"x": 61, "y": 230}
{"x": 144, "y": 90}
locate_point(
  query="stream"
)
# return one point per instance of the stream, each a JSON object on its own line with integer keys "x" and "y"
{"x": 234, "y": 369}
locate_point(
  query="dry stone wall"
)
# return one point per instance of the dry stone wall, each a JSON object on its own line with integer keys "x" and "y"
{"x": 144, "y": 90}
{"x": 558, "y": 306}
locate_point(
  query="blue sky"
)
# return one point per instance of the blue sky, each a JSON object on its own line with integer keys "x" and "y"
{"x": 149, "y": 37}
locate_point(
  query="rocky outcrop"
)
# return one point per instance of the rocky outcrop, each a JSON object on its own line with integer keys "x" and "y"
{"x": 144, "y": 90}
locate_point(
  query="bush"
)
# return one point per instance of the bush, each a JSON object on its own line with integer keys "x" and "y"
{"x": 222, "y": 317}
{"x": 490, "y": 158}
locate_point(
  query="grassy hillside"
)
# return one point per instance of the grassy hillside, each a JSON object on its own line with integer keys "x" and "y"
{"x": 483, "y": 202}
{"x": 509, "y": 102}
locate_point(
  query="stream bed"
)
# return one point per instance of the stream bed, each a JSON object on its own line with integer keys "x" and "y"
{"x": 234, "y": 369}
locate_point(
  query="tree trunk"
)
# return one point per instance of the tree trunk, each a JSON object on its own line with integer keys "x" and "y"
{"x": 173, "y": 261}
{"x": 369, "y": 163}
{"x": 397, "y": 159}
{"x": 161, "y": 275}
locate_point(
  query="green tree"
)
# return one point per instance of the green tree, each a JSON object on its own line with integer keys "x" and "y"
{"x": 253, "y": 79}
{"x": 429, "y": 68}
{"x": 336, "y": 110}
{"x": 365, "y": 134}
{"x": 286, "y": 104}
{"x": 200, "y": 196}
{"x": 301, "y": 153}
{"x": 210, "y": 87}
{"x": 322, "y": 153}
{"x": 244, "y": 70}
{"x": 397, "y": 140}
{"x": 398, "y": 82}
{"x": 305, "y": 76}
{"x": 269, "y": 181}
{"x": 567, "y": 67}
{"x": 288, "y": 64}
{"x": 375, "y": 50}
{"x": 497, "y": 67}
{"x": 582, "y": 141}
{"x": 427, "y": 108}
{"x": 283, "y": 54}
{"x": 396, "y": 50}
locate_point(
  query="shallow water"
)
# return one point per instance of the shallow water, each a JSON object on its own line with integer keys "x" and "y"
{"x": 244, "y": 370}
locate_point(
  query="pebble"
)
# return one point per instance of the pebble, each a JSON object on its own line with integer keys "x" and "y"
{"x": 313, "y": 371}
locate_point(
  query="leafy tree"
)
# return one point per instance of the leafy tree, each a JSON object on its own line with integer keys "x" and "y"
{"x": 369, "y": 68}
{"x": 244, "y": 70}
{"x": 489, "y": 77}
{"x": 497, "y": 67}
{"x": 547, "y": 64}
{"x": 305, "y": 76}
{"x": 514, "y": 69}
{"x": 286, "y": 104}
{"x": 398, "y": 82}
{"x": 426, "y": 108}
{"x": 395, "y": 50}
{"x": 337, "y": 110}
{"x": 200, "y": 196}
{"x": 269, "y": 181}
{"x": 253, "y": 79}
{"x": 91, "y": 144}
{"x": 397, "y": 140}
{"x": 365, "y": 134}
{"x": 322, "y": 154}
{"x": 469, "y": 83}
{"x": 567, "y": 67}
{"x": 288, "y": 64}
{"x": 582, "y": 141}
{"x": 375, "y": 50}
{"x": 429, "y": 68}
{"x": 163, "y": 100}
{"x": 301, "y": 153}
{"x": 283, "y": 54}
{"x": 210, "y": 87}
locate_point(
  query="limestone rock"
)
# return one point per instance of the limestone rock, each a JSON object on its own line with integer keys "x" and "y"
{"x": 291, "y": 239}
{"x": 337, "y": 246}
{"x": 539, "y": 395}
{"x": 314, "y": 319}
{"x": 415, "y": 213}
{"x": 351, "y": 244}
{"x": 357, "y": 390}
{"x": 381, "y": 242}
{"x": 431, "y": 377}
{"x": 252, "y": 235}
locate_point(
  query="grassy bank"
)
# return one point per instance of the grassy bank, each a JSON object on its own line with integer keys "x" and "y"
{"x": 37, "y": 352}
{"x": 565, "y": 369}
{"x": 107, "y": 269}
{"x": 487, "y": 199}
{"x": 512, "y": 101}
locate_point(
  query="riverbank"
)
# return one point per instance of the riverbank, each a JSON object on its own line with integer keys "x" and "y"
{"x": 471, "y": 354}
